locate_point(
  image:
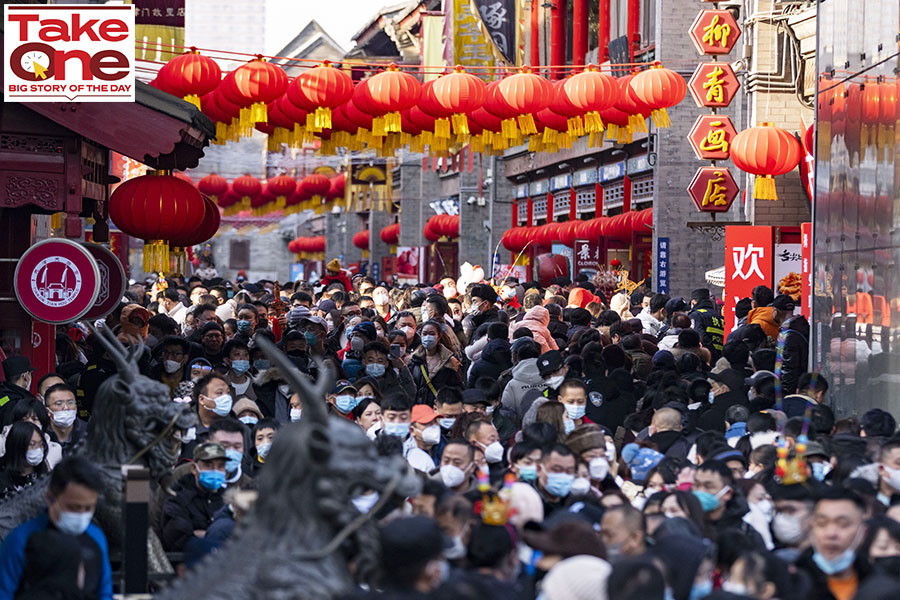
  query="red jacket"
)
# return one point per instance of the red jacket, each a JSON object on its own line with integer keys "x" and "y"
{"x": 341, "y": 278}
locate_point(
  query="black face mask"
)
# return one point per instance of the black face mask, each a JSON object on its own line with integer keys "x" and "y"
{"x": 296, "y": 353}
{"x": 889, "y": 565}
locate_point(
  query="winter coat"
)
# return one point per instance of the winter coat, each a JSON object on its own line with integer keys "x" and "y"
{"x": 560, "y": 331}
{"x": 495, "y": 358}
{"x": 536, "y": 320}
{"x": 472, "y": 322}
{"x": 442, "y": 376}
{"x": 651, "y": 324}
{"x": 819, "y": 580}
{"x": 54, "y": 450}
{"x": 10, "y": 395}
{"x": 796, "y": 353}
{"x": 733, "y": 518}
{"x": 525, "y": 377}
{"x": 762, "y": 316}
{"x": 708, "y": 322}
{"x": 191, "y": 508}
{"x": 271, "y": 400}
{"x": 581, "y": 297}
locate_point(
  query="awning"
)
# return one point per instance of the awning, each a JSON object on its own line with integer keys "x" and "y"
{"x": 716, "y": 276}
{"x": 157, "y": 129}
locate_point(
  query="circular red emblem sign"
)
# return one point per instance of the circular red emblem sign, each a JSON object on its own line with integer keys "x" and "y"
{"x": 57, "y": 281}
{"x": 112, "y": 282}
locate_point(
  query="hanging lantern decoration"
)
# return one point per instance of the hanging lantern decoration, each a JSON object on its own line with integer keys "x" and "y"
{"x": 567, "y": 232}
{"x": 325, "y": 88}
{"x": 496, "y": 105}
{"x": 459, "y": 93}
{"x": 526, "y": 94}
{"x": 156, "y": 207}
{"x": 281, "y": 187}
{"x": 659, "y": 88}
{"x": 390, "y": 92}
{"x": 257, "y": 83}
{"x": 189, "y": 76}
{"x": 429, "y": 231}
{"x": 563, "y": 107}
{"x": 627, "y": 102}
{"x": 591, "y": 91}
{"x": 765, "y": 151}
{"x": 183, "y": 176}
{"x": 361, "y": 239}
{"x": 337, "y": 187}
{"x": 390, "y": 235}
{"x": 205, "y": 231}
{"x": 248, "y": 188}
{"x": 230, "y": 202}
{"x": 316, "y": 187}
{"x": 213, "y": 186}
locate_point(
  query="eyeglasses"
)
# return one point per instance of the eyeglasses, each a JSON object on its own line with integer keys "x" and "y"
{"x": 178, "y": 354}
{"x": 61, "y": 404}
{"x": 203, "y": 368}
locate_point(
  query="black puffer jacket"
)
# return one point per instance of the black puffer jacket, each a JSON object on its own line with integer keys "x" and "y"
{"x": 796, "y": 352}
{"x": 495, "y": 358}
{"x": 443, "y": 377}
{"x": 190, "y": 509}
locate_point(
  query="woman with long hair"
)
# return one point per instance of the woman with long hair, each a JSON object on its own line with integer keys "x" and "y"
{"x": 25, "y": 457}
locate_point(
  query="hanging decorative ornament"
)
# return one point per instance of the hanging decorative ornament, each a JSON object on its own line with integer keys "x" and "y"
{"x": 591, "y": 92}
{"x": 281, "y": 187}
{"x": 459, "y": 93}
{"x": 257, "y": 83}
{"x": 765, "y": 151}
{"x": 213, "y": 186}
{"x": 563, "y": 107}
{"x": 526, "y": 94}
{"x": 659, "y": 88}
{"x": 390, "y": 92}
{"x": 248, "y": 188}
{"x": 496, "y": 105}
{"x": 325, "y": 88}
{"x": 189, "y": 76}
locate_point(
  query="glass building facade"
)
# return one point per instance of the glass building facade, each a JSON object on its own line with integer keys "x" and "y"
{"x": 855, "y": 337}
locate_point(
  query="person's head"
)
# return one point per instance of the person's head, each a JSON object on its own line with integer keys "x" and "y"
{"x": 460, "y": 454}
{"x": 208, "y": 467}
{"x": 573, "y": 394}
{"x": 26, "y": 448}
{"x": 481, "y": 433}
{"x": 406, "y": 322}
{"x": 665, "y": 419}
{"x": 813, "y": 385}
{"x": 212, "y": 337}
{"x": 449, "y": 405}
{"x": 18, "y": 371}
{"x": 889, "y": 465}
{"x": 637, "y": 578}
{"x": 658, "y": 306}
{"x": 412, "y": 554}
{"x": 492, "y": 547}
{"x": 782, "y": 308}
{"x": 736, "y": 414}
{"x": 174, "y": 353}
{"x": 793, "y": 514}
{"x": 367, "y": 413}
{"x": 432, "y": 336}
{"x": 524, "y": 459}
{"x": 213, "y": 396}
{"x": 714, "y": 487}
{"x": 237, "y": 356}
{"x": 760, "y": 576}
{"x": 622, "y": 530}
{"x": 375, "y": 359}
{"x": 264, "y": 433}
{"x": 882, "y": 540}
{"x": 877, "y": 423}
{"x": 837, "y": 528}
{"x": 33, "y": 411}
{"x": 61, "y": 404}
{"x": 45, "y": 382}
{"x": 229, "y": 433}
{"x": 72, "y": 494}
{"x": 762, "y": 296}
{"x": 557, "y": 471}
{"x": 247, "y": 319}
{"x": 396, "y": 413}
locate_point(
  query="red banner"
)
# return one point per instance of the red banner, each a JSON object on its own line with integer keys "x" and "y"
{"x": 748, "y": 263}
{"x": 806, "y": 273}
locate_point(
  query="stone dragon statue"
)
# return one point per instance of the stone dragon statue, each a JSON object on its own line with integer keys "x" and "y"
{"x": 134, "y": 421}
{"x": 303, "y": 536}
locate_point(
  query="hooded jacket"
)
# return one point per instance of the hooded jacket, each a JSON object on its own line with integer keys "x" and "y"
{"x": 581, "y": 297}
{"x": 796, "y": 353}
{"x": 525, "y": 377}
{"x": 495, "y": 358}
{"x": 762, "y": 316}
{"x": 536, "y": 320}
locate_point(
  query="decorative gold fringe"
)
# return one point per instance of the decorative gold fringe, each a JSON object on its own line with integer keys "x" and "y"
{"x": 156, "y": 256}
{"x": 660, "y": 118}
{"x": 193, "y": 99}
{"x": 323, "y": 118}
{"x": 526, "y": 124}
{"x": 460, "y": 124}
{"x": 575, "y": 126}
{"x": 592, "y": 122}
{"x": 258, "y": 113}
{"x": 764, "y": 188}
{"x": 509, "y": 129}
{"x": 393, "y": 122}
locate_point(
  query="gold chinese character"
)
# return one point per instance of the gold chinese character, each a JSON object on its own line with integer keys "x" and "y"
{"x": 715, "y": 86}
{"x": 715, "y": 139}
{"x": 715, "y": 32}
{"x": 715, "y": 193}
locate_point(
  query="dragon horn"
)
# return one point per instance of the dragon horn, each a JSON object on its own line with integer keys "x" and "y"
{"x": 312, "y": 395}
{"x": 126, "y": 361}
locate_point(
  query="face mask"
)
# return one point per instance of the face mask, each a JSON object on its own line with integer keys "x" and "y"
{"x": 171, "y": 366}
{"x": 365, "y": 502}
{"x": 151, "y": 341}
{"x": 295, "y": 414}
{"x": 74, "y": 523}
{"x": 598, "y": 468}
{"x": 488, "y": 411}
{"x": 243, "y": 326}
{"x": 614, "y": 551}
{"x": 381, "y": 299}
{"x": 357, "y": 343}
{"x": 568, "y": 425}
{"x": 234, "y": 460}
{"x": 457, "y": 550}
{"x": 452, "y": 476}
{"x": 223, "y": 405}
{"x": 887, "y": 564}
{"x": 474, "y": 310}
{"x": 345, "y": 403}
{"x": 842, "y": 562}
{"x": 710, "y": 502}
{"x": 400, "y": 430}
{"x": 64, "y": 418}
{"x": 240, "y": 366}
{"x": 575, "y": 411}
{"x": 787, "y": 529}
{"x": 527, "y": 472}
{"x": 711, "y": 397}
{"x": 34, "y": 457}
{"x": 431, "y": 435}
{"x": 580, "y": 486}
{"x": 554, "y": 381}
{"x": 820, "y": 470}
{"x": 329, "y": 323}
{"x": 375, "y": 369}
{"x": 212, "y": 480}
{"x": 765, "y": 508}
{"x": 311, "y": 338}
{"x": 447, "y": 422}
{"x": 249, "y": 420}
{"x": 559, "y": 484}
{"x": 733, "y": 587}
{"x": 409, "y": 331}
{"x": 429, "y": 341}
{"x": 493, "y": 452}
{"x": 610, "y": 452}
{"x": 701, "y": 590}
{"x": 262, "y": 450}
{"x": 893, "y": 478}
{"x": 261, "y": 364}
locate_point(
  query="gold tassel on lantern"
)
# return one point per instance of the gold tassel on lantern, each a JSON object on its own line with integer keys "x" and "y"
{"x": 393, "y": 123}
{"x": 509, "y": 129}
{"x": 442, "y": 128}
{"x": 638, "y": 123}
{"x": 592, "y": 122}
{"x": 156, "y": 256}
{"x": 323, "y": 118}
{"x": 526, "y": 124}
{"x": 259, "y": 113}
{"x": 660, "y": 118}
{"x": 575, "y": 126}
{"x": 764, "y": 188}
{"x": 193, "y": 99}
{"x": 460, "y": 124}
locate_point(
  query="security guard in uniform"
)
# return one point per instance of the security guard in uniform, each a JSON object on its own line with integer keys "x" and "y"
{"x": 708, "y": 322}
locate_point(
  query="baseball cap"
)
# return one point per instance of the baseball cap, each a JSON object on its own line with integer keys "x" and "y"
{"x": 675, "y": 305}
{"x": 367, "y": 329}
{"x": 549, "y": 362}
{"x": 252, "y": 288}
{"x": 341, "y": 385}
{"x": 317, "y": 320}
{"x": 700, "y": 294}
{"x": 474, "y": 396}
{"x": 732, "y": 378}
{"x": 326, "y": 305}
{"x": 422, "y": 413}
{"x": 15, "y": 366}
{"x": 209, "y": 451}
{"x": 783, "y": 302}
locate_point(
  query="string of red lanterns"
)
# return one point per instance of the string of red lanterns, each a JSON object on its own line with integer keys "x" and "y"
{"x": 619, "y": 227}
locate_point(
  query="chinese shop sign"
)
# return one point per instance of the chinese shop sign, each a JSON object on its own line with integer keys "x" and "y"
{"x": 713, "y": 189}
{"x": 711, "y": 137}
{"x": 714, "y": 84}
{"x": 748, "y": 263}
{"x": 715, "y": 32}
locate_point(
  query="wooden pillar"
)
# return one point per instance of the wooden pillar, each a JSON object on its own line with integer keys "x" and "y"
{"x": 634, "y": 26}
{"x": 579, "y": 31}
{"x": 536, "y": 33}
{"x": 598, "y": 199}
{"x": 626, "y": 194}
{"x": 603, "y": 29}
{"x": 558, "y": 37}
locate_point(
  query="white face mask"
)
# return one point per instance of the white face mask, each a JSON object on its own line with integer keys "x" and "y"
{"x": 598, "y": 468}
{"x": 171, "y": 366}
{"x": 893, "y": 477}
{"x": 295, "y": 414}
{"x": 431, "y": 435}
{"x": 452, "y": 476}
{"x": 765, "y": 508}
{"x": 493, "y": 452}
{"x": 63, "y": 418}
{"x": 365, "y": 502}
{"x": 555, "y": 381}
{"x": 34, "y": 457}
{"x": 580, "y": 486}
{"x": 787, "y": 529}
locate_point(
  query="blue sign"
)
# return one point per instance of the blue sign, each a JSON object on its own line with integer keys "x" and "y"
{"x": 585, "y": 177}
{"x": 638, "y": 164}
{"x": 662, "y": 265}
{"x": 538, "y": 187}
{"x": 613, "y": 171}
{"x": 297, "y": 271}
{"x": 376, "y": 271}
{"x": 522, "y": 190}
{"x": 559, "y": 182}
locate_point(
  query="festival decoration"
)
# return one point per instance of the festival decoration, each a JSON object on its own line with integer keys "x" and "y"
{"x": 659, "y": 88}
{"x": 390, "y": 92}
{"x": 765, "y": 151}
{"x": 206, "y": 230}
{"x": 712, "y": 136}
{"x": 247, "y": 187}
{"x": 525, "y": 93}
{"x": 316, "y": 186}
{"x": 189, "y": 76}
{"x": 715, "y": 32}
{"x": 458, "y": 93}
{"x": 714, "y": 84}
{"x": 591, "y": 92}
{"x": 213, "y": 186}
{"x": 255, "y": 84}
{"x": 390, "y": 235}
{"x": 281, "y": 187}
{"x": 713, "y": 189}
{"x": 361, "y": 239}
{"x": 323, "y": 88}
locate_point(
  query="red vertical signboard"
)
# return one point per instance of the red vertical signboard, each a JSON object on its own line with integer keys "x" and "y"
{"x": 748, "y": 263}
{"x": 806, "y": 272}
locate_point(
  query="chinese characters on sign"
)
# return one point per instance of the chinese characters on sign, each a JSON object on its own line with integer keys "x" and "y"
{"x": 711, "y": 137}
{"x": 715, "y": 32}
{"x": 806, "y": 268}
{"x": 713, "y": 189}
{"x": 587, "y": 257}
{"x": 748, "y": 263}
{"x": 662, "y": 265}
{"x": 470, "y": 48}
{"x": 714, "y": 84}
{"x": 499, "y": 19}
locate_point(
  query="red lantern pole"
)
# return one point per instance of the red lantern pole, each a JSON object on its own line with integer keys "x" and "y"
{"x": 634, "y": 26}
{"x": 603, "y": 29}
{"x": 579, "y": 31}
{"x": 558, "y": 38}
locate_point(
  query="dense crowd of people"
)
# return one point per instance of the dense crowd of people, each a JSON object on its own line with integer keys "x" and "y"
{"x": 571, "y": 445}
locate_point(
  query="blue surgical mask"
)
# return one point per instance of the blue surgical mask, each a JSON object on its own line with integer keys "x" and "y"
{"x": 527, "y": 472}
{"x": 559, "y": 484}
{"x": 223, "y": 405}
{"x": 74, "y": 523}
{"x": 400, "y": 430}
{"x": 311, "y": 338}
{"x": 447, "y": 422}
{"x": 240, "y": 366}
{"x": 345, "y": 403}
{"x": 568, "y": 425}
{"x": 262, "y": 364}
{"x": 243, "y": 326}
{"x": 710, "y": 502}
{"x": 711, "y": 397}
{"x": 429, "y": 341}
{"x": 575, "y": 411}
{"x": 234, "y": 460}
{"x": 820, "y": 470}
{"x": 262, "y": 450}
{"x": 249, "y": 420}
{"x": 375, "y": 369}
{"x": 701, "y": 590}
{"x": 212, "y": 480}
{"x": 841, "y": 563}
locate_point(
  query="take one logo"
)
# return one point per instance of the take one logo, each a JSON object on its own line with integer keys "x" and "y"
{"x": 56, "y": 281}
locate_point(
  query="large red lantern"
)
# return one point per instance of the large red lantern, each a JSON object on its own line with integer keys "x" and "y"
{"x": 459, "y": 93}
{"x": 247, "y": 187}
{"x": 591, "y": 91}
{"x": 257, "y": 83}
{"x": 189, "y": 76}
{"x": 337, "y": 186}
{"x": 316, "y": 184}
{"x": 361, "y": 239}
{"x": 765, "y": 151}
{"x": 206, "y": 230}
{"x": 659, "y": 88}
{"x": 390, "y": 92}
{"x": 325, "y": 88}
{"x": 156, "y": 207}
{"x": 390, "y": 235}
{"x": 526, "y": 94}
{"x": 213, "y": 186}
{"x": 281, "y": 187}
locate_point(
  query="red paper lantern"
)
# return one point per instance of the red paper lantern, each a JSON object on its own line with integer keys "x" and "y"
{"x": 337, "y": 186}
{"x": 325, "y": 88}
{"x": 568, "y": 232}
{"x": 213, "y": 186}
{"x": 247, "y": 187}
{"x": 765, "y": 151}
{"x": 156, "y": 207}
{"x": 390, "y": 92}
{"x": 526, "y": 94}
{"x": 361, "y": 239}
{"x": 590, "y": 92}
{"x": 626, "y": 101}
{"x": 281, "y": 187}
{"x": 458, "y": 93}
{"x": 189, "y": 76}
{"x": 316, "y": 184}
{"x": 390, "y": 235}
{"x": 659, "y": 88}
{"x": 257, "y": 83}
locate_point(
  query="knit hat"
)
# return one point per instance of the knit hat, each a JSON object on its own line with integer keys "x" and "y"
{"x": 585, "y": 437}
{"x": 247, "y": 404}
{"x": 640, "y": 461}
{"x": 527, "y": 504}
{"x": 333, "y": 265}
{"x": 296, "y": 315}
{"x": 577, "y": 578}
